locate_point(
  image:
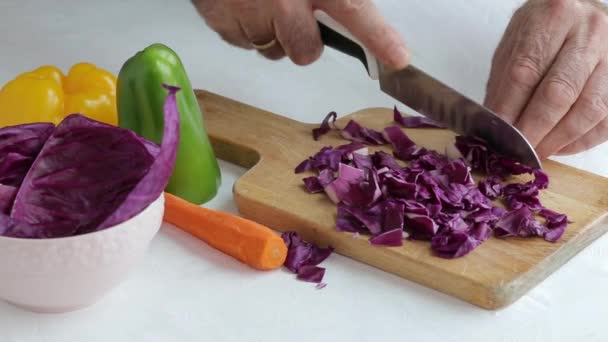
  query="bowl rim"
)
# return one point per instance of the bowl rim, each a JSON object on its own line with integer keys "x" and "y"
{"x": 161, "y": 197}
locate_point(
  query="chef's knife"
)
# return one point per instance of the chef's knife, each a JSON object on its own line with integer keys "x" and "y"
{"x": 428, "y": 96}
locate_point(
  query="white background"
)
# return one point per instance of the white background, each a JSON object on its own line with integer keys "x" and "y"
{"x": 185, "y": 291}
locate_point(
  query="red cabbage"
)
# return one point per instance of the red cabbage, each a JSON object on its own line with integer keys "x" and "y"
{"x": 491, "y": 187}
{"x": 7, "y": 196}
{"x": 303, "y": 257}
{"x": 313, "y": 185}
{"x": 325, "y": 178}
{"x": 404, "y": 148}
{"x": 81, "y": 176}
{"x": 156, "y": 179}
{"x": 414, "y": 121}
{"x": 457, "y": 243}
{"x": 19, "y": 146}
{"x": 330, "y": 158}
{"x": 513, "y": 223}
{"x": 354, "y": 132}
{"x": 311, "y": 274}
{"x": 325, "y": 126}
{"x": 391, "y": 238}
{"x": 111, "y": 174}
{"x": 432, "y": 198}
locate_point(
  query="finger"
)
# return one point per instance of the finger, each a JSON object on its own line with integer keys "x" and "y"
{"x": 564, "y": 82}
{"x": 365, "y": 22}
{"x": 541, "y": 29}
{"x": 297, "y": 30}
{"x": 219, "y": 18}
{"x": 275, "y": 52}
{"x": 559, "y": 90}
{"x": 597, "y": 135}
{"x": 588, "y": 111}
{"x": 257, "y": 25}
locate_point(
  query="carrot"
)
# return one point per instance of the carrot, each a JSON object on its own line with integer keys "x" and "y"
{"x": 247, "y": 241}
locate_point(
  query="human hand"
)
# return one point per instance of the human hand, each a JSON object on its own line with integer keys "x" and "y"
{"x": 549, "y": 75}
{"x": 287, "y": 27}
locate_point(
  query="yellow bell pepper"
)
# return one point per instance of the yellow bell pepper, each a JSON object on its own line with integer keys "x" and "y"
{"x": 47, "y": 95}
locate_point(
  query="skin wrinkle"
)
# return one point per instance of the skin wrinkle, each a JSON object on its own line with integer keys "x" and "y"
{"x": 552, "y": 60}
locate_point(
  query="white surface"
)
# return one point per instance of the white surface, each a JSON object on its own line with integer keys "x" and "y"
{"x": 185, "y": 291}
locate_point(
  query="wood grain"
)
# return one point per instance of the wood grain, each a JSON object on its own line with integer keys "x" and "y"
{"x": 493, "y": 276}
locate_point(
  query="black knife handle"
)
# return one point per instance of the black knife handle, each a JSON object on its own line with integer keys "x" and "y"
{"x": 331, "y": 37}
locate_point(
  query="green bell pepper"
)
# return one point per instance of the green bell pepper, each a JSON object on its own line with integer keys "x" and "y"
{"x": 140, "y": 98}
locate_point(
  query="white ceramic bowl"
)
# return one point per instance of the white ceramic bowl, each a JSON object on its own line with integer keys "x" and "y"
{"x": 65, "y": 274}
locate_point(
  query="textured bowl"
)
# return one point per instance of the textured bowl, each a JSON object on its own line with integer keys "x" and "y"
{"x": 65, "y": 274}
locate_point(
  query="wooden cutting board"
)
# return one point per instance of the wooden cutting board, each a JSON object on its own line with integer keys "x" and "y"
{"x": 493, "y": 276}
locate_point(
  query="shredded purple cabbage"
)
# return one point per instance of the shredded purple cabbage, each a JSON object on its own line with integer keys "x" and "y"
{"x": 303, "y": 258}
{"x": 434, "y": 197}
{"x": 326, "y": 126}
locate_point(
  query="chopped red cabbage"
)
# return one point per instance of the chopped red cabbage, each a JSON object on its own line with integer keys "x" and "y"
{"x": 311, "y": 274}
{"x": 414, "y": 121}
{"x": 434, "y": 197}
{"x": 325, "y": 126}
{"x": 355, "y": 132}
{"x": 491, "y": 187}
{"x": 313, "y": 185}
{"x": 404, "y": 148}
{"x": 303, "y": 257}
{"x": 391, "y": 238}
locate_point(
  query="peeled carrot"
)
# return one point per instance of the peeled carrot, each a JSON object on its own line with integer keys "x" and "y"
{"x": 247, "y": 241}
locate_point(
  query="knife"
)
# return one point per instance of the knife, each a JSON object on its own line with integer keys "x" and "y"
{"x": 430, "y": 97}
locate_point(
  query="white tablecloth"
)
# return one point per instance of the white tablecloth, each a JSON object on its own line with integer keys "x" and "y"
{"x": 186, "y": 291}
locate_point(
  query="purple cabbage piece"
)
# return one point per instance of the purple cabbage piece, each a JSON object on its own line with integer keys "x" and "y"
{"x": 7, "y": 196}
{"x": 355, "y": 132}
{"x": 382, "y": 159}
{"x": 404, "y": 148}
{"x": 329, "y": 158}
{"x": 111, "y": 174}
{"x": 325, "y": 178}
{"x": 313, "y": 185}
{"x": 362, "y": 161}
{"x": 414, "y": 121}
{"x": 458, "y": 243}
{"x": 556, "y": 224}
{"x": 353, "y": 219}
{"x": 156, "y": 179}
{"x": 513, "y": 223}
{"x": 83, "y": 173}
{"x": 391, "y": 238}
{"x": 19, "y": 147}
{"x": 420, "y": 227}
{"x": 491, "y": 187}
{"x": 329, "y": 120}
{"x": 393, "y": 215}
{"x": 302, "y": 256}
{"x": 311, "y": 274}
{"x": 14, "y": 228}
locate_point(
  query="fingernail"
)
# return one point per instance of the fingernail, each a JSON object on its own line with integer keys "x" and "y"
{"x": 399, "y": 57}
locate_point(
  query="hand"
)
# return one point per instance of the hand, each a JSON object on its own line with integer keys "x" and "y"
{"x": 550, "y": 75}
{"x": 287, "y": 27}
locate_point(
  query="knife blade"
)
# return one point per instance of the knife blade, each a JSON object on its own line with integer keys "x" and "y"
{"x": 432, "y": 98}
